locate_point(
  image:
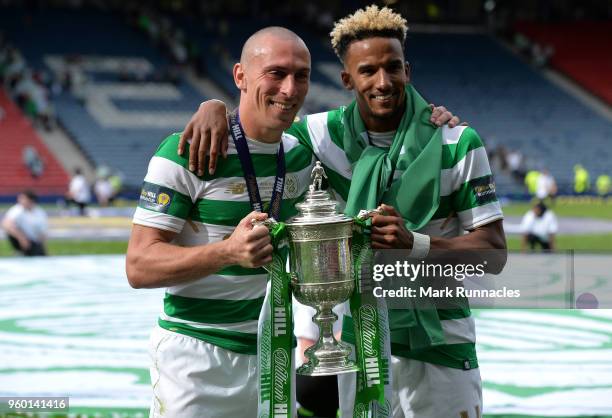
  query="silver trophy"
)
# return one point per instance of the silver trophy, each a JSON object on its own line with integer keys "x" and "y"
{"x": 321, "y": 269}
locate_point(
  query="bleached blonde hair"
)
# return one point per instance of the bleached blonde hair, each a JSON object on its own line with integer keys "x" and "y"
{"x": 367, "y": 23}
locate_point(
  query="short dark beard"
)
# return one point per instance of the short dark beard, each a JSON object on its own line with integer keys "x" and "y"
{"x": 393, "y": 118}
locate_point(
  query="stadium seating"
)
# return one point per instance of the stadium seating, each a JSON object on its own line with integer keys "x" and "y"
{"x": 16, "y": 133}
{"x": 506, "y": 100}
{"x": 325, "y": 92}
{"x": 579, "y": 52}
{"x": 115, "y": 124}
{"x": 510, "y": 103}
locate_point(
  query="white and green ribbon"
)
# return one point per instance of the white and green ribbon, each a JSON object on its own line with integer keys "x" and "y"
{"x": 372, "y": 336}
{"x": 371, "y": 326}
{"x": 275, "y": 335}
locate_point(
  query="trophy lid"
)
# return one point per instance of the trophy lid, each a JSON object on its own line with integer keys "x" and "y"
{"x": 318, "y": 207}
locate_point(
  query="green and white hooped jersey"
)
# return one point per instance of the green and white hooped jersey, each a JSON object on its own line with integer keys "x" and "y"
{"x": 222, "y": 308}
{"x": 467, "y": 201}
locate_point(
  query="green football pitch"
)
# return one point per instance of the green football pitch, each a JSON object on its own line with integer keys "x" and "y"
{"x": 594, "y": 242}
{"x": 564, "y": 207}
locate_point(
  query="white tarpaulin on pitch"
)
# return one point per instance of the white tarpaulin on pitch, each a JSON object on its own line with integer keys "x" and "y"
{"x": 72, "y": 326}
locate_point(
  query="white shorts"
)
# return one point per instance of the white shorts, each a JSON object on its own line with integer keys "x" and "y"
{"x": 194, "y": 379}
{"x": 424, "y": 390}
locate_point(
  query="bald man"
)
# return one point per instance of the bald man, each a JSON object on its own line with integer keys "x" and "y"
{"x": 193, "y": 235}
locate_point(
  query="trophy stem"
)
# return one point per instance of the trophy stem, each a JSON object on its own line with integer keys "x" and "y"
{"x": 327, "y": 356}
{"x": 325, "y": 319}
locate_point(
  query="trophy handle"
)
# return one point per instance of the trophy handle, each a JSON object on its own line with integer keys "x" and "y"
{"x": 294, "y": 278}
{"x": 268, "y": 223}
{"x": 368, "y": 213}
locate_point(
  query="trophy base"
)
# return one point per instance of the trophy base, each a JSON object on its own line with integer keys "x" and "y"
{"x": 325, "y": 361}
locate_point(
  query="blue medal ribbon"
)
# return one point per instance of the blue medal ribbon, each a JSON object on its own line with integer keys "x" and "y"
{"x": 275, "y": 322}
{"x": 249, "y": 170}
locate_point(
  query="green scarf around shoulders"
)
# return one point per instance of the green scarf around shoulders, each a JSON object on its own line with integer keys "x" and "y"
{"x": 416, "y": 148}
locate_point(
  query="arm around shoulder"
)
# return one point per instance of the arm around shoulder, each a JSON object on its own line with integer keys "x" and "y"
{"x": 208, "y": 133}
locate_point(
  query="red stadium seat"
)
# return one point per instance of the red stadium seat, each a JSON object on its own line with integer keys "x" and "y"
{"x": 16, "y": 132}
{"x": 580, "y": 52}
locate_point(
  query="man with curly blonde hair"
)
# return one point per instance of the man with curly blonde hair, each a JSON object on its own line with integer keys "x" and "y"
{"x": 435, "y": 187}
{"x": 439, "y": 378}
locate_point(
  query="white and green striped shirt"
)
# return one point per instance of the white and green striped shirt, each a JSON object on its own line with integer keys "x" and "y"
{"x": 466, "y": 188}
{"x": 222, "y": 308}
{"x": 467, "y": 201}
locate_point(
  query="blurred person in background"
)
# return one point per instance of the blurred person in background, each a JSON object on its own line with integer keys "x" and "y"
{"x": 546, "y": 186}
{"x": 582, "y": 182}
{"x": 26, "y": 88}
{"x": 103, "y": 190}
{"x": 33, "y": 97}
{"x": 539, "y": 226}
{"x": 116, "y": 182}
{"x": 79, "y": 192}
{"x": 499, "y": 154}
{"x": 32, "y": 160}
{"x": 531, "y": 181}
{"x": 26, "y": 225}
{"x": 13, "y": 66}
{"x": 516, "y": 165}
{"x": 603, "y": 185}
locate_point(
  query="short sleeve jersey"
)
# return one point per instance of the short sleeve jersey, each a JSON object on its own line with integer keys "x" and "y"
{"x": 222, "y": 308}
{"x": 467, "y": 201}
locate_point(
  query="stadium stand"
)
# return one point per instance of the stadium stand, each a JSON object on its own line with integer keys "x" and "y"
{"x": 119, "y": 124}
{"x": 511, "y": 104}
{"x": 579, "y": 52}
{"x": 506, "y": 100}
{"x": 16, "y": 134}
{"x": 325, "y": 88}
{"x": 116, "y": 123}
